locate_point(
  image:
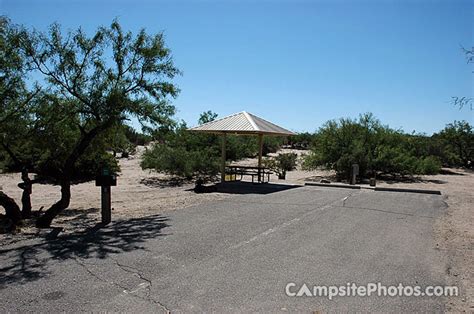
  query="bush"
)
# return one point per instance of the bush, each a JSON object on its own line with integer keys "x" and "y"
{"x": 281, "y": 163}
{"x": 286, "y": 162}
{"x": 184, "y": 154}
{"x": 429, "y": 165}
{"x": 457, "y": 140}
{"x": 301, "y": 140}
{"x": 135, "y": 137}
{"x": 374, "y": 147}
{"x": 239, "y": 147}
{"x": 180, "y": 162}
{"x": 270, "y": 145}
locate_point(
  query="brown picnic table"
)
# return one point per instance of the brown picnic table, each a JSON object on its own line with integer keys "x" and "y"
{"x": 259, "y": 172}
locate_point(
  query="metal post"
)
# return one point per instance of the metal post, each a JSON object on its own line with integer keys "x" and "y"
{"x": 106, "y": 201}
{"x": 260, "y": 151}
{"x": 354, "y": 173}
{"x": 223, "y": 157}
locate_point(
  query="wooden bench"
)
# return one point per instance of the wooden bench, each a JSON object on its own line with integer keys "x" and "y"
{"x": 249, "y": 171}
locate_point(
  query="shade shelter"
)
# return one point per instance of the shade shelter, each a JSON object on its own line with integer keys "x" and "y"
{"x": 242, "y": 123}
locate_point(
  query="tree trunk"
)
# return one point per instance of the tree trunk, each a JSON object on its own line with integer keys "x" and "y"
{"x": 12, "y": 210}
{"x": 45, "y": 220}
{"x": 25, "y": 198}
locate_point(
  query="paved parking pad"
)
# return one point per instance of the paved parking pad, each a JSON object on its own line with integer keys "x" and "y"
{"x": 239, "y": 254}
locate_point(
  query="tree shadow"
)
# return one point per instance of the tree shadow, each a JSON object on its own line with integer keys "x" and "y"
{"x": 74, "y": 212}
{"x": 28, "y": 262}
{"x": 446, "y": 171}
{"x": 155, "y": 182}
{"x": 408, "y": 179}
{"x": 244, "y": 187}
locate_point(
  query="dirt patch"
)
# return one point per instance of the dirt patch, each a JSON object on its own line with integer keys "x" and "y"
{"x": 138, "y": 193}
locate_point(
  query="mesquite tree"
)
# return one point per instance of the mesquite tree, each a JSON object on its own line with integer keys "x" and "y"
{"x": 96, "y": 83}
{"x": 15, "y": 106}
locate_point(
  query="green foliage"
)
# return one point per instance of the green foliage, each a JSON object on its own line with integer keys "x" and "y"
{"x": 47, "y": 144}
{"x": 90, "y": 86}
{"x": 136, "y": 138}
{"x": 457, "y": 140}
{"x": 92, "y": 163}
{"x": 124, "y": 139}
{"x": 206, "y": 117}
{"x": 14, "y": 96}
{"x": 463, "y": 101}
{"x": 271, "y": 144}
{"x": 301, "y": 140}
{"x": 185, "y": 154}
{"x": 429, "y": 165}
{"x": 286, "y": 162}
{"x": 374, "y": 147}
{"x": 181, "y": 162}
{"x": 281, "y": 163}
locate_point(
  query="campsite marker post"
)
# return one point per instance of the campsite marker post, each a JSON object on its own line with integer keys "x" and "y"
{"x": 354, "y": 173}
{"x": 105, "y": 181}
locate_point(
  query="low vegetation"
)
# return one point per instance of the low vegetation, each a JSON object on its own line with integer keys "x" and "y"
{"x": 378, "y": 149}
{"x": 281, "y": 163}
{"x": 194, "y": 155}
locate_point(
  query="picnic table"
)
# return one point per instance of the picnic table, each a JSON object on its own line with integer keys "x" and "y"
{"x": 259, "y": 172}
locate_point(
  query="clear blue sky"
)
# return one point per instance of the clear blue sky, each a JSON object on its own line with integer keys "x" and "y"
{"x": 298, "y": 63}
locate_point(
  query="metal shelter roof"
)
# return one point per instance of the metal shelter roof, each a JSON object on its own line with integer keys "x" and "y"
{"x": 242, "y": 123}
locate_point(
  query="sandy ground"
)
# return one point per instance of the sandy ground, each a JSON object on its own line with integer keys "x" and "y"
{"x": 138, "y": 193}
{"x": 141, "y": 193}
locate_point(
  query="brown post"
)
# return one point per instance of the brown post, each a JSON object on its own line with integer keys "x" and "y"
{"x": 106, "y": 181}
{"x": 106, "y": 201}
{"x": 260, "y": 151}
{"x": 223, "y": 157}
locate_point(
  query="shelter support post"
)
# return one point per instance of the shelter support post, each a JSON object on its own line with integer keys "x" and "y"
{"x": 223, "y": 143}
{"x": 260, "y": 151}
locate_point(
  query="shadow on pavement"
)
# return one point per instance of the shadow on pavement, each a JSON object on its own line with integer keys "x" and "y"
{"x": 28, "y": 262}
{"x": 242, "y": 187}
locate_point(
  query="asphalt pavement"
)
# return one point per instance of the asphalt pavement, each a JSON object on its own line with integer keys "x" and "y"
{"x": 237, "y": 255}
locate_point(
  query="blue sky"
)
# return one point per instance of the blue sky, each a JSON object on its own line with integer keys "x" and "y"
{"x": 298, "y": 63}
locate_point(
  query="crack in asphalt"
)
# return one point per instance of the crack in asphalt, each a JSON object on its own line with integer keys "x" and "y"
{"x": 131, "y": 270}
{"x": 138, "y": 272}
{"x": 347, "y": 197}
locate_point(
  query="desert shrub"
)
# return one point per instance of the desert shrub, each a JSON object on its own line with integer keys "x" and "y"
{"x": 136, "y": 138}
{"x": 270, "y": 145}
{"x": 301, "y": 140}
{"x": 180, "y": 162}
{"x": 281, "y": 163}
{"x": 182, "y": 153}
{"x": 287, "y": 161}
{"x": 429, "y": 165}
{"x": 457, "y": 140}
{"x": 239, "y": 147}
{"x": 374, "y": 147}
